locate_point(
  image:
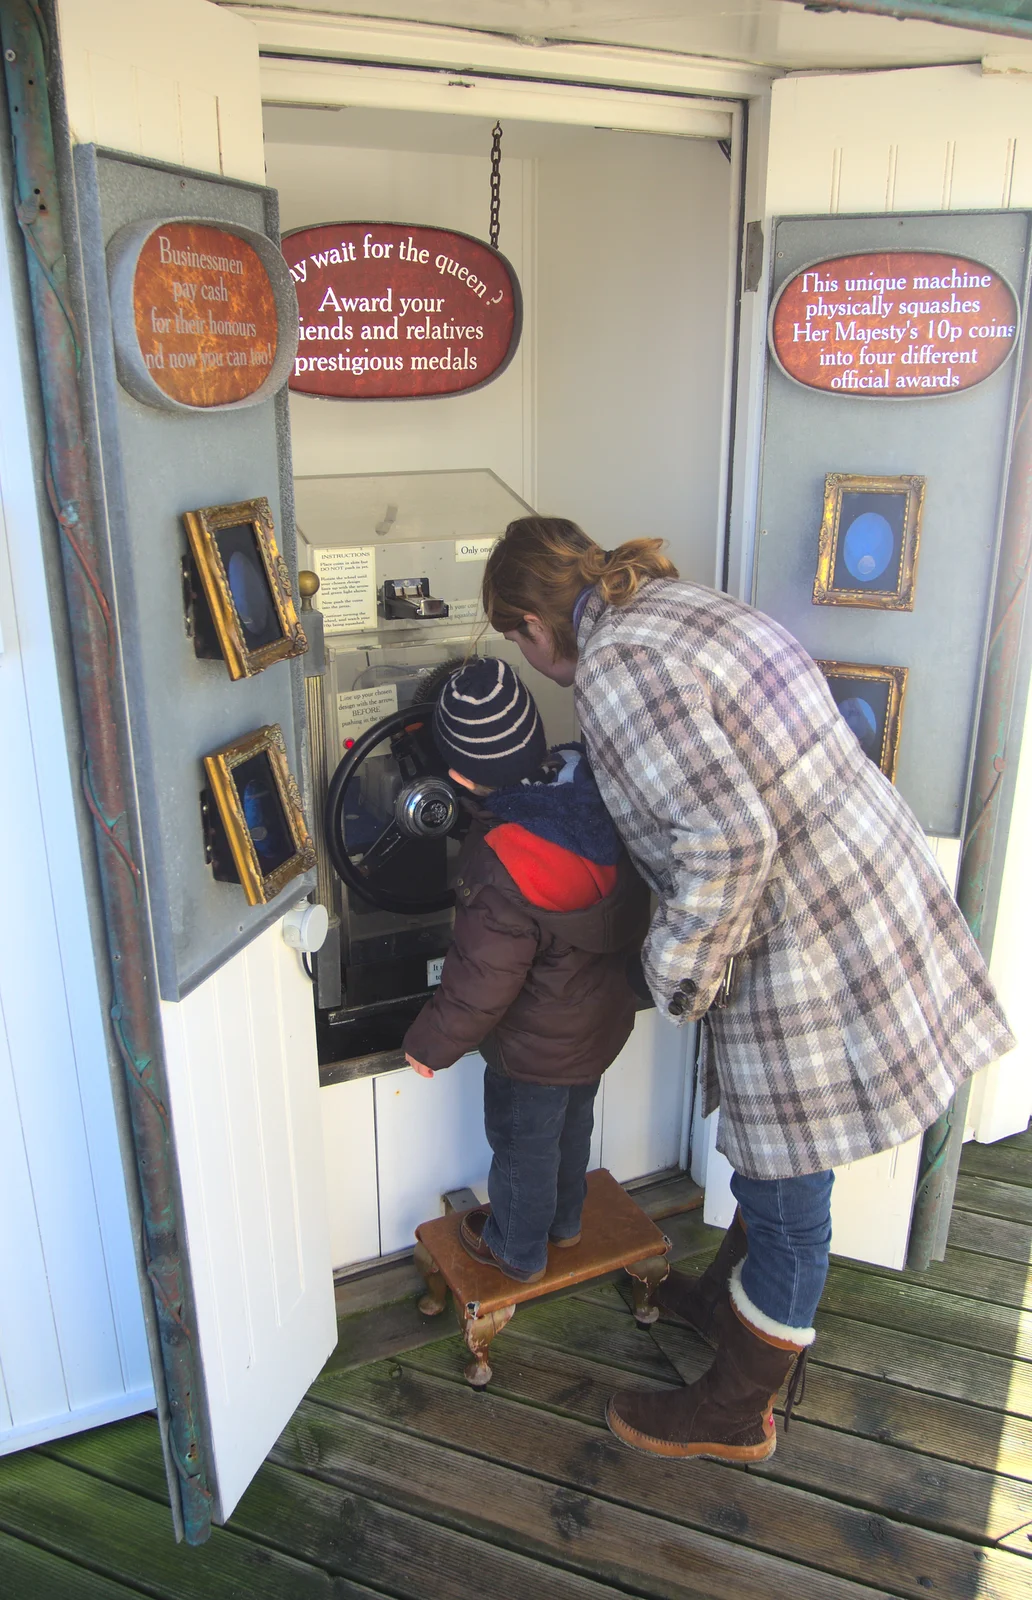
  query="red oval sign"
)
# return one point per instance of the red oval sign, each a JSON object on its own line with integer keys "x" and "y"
{"x": 392, "y": 312}
{"x": 894, "y": 324}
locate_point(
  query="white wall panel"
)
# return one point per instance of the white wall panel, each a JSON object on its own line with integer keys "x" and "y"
{"x": 176, "y": 83}
{"x": 644, "y": 1093}
{"x": 937, "y": 139}
{"x": 429, "y": 1139}
{"x": 244, "y": 1093}
{"x": 632, "y": 264}
{"x": 349, "y": 1145}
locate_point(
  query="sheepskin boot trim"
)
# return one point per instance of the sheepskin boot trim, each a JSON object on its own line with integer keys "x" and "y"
{"x": 780, "y": 1334}
{"x": 694, "y": 1301}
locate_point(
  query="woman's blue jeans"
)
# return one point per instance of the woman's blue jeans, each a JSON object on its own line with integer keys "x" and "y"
{"x": 540, "y": 1135}
{"x": 788, "y": 1227}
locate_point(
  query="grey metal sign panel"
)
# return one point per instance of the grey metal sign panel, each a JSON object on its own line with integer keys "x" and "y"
{"x": 156, "y": 465}
{"x": 958, "y": 442}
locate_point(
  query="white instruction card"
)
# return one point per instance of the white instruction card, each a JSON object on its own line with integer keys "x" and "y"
{"x": 474, "y": 549}
{"x": 358, "y": 709}
{"x": 347, "y": 587}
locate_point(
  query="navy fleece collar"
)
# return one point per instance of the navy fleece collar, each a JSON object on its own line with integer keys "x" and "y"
{"x": 568, "y": 813}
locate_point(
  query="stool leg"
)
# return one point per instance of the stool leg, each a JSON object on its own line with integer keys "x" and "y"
{"x": 432, "y": 1303}
{"x": 646, "y": 1277}
{"x": 478, "y": 1333}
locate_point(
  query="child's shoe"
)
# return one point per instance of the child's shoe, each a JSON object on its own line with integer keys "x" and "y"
{"x": 471, "y": 1231}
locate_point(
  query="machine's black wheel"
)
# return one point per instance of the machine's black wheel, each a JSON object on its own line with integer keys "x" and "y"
{"x": 425, "y": 811}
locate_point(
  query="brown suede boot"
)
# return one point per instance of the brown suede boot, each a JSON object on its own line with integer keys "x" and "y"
{"x": 728, "y": 1414}
{"x": 695, "y": 1301}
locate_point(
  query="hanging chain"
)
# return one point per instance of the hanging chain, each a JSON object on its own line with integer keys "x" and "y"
{"x": 496, "y": 181}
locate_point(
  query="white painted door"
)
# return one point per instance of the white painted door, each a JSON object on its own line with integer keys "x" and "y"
{"x": 244, "y": 1088}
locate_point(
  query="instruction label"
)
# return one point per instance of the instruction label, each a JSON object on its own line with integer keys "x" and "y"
{"x": 474, "y": 549}
{"x": 465, "y": 611}
{"x": 358, "y": 709}
{"x": 347, "y": 588}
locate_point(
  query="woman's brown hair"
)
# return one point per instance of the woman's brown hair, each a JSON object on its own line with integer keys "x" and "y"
{"x": 541, "y": 564}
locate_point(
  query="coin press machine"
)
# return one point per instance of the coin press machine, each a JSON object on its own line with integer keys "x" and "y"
{"x": 388, "y": 822}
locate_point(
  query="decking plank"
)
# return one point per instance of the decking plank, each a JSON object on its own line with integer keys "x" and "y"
{"x": 906, "y": 1485}
{"x": 128, "y": 1537}
{"x": 29, "y": 1573}
{"x": 909, "y": 1487}
{"x": 635, "y": 1550}
{"x": 991, "y": 1199}
{"x": 1008, "y": 1241}
{"x": 350, "y": 1539}
{"x": 977, "y": 1276}
{"x": 704, "y": 1496}
{"x": 1005, "y": 1162}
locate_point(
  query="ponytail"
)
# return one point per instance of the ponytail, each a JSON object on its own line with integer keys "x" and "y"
{"x": 542, "y": 564}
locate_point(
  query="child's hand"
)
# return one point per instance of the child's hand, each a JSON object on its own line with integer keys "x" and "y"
{"x": 417, "y": 1066}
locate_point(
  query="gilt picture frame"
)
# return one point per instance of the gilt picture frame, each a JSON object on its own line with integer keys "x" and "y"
{"x": 255, "y": 822}
{"x": 870, "y": 699}
{"x": 245, "y": 586}
{"x": 868, "y": 542}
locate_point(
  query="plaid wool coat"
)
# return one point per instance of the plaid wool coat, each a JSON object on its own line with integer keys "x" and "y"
{"x": 751, "y": 811}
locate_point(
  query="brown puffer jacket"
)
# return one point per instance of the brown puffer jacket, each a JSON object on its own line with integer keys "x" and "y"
{"x": 549, "y": 985}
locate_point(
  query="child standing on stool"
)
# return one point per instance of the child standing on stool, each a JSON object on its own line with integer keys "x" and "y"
{"x": 548, "y": 909}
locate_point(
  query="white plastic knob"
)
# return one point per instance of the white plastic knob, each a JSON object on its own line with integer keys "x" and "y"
{"x": 305, "y": 927}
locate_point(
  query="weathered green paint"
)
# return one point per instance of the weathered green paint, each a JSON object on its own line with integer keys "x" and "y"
{"x": 1013, "y": 17}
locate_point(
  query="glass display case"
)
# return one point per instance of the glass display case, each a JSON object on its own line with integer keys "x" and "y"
{"x": 400, "y": 559}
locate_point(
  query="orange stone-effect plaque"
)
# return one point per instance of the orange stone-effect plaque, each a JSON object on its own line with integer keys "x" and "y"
{"x": 205, "y": 314}
{"x": 894, "y": 324}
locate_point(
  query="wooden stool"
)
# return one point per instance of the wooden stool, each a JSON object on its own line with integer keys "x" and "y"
{"x": 614, "y": 1233}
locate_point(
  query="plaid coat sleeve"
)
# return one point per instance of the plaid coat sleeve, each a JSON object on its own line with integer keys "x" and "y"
{"x": 679, "y": 775}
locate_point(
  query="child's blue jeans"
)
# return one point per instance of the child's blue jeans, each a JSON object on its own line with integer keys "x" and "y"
{"x": 540, "y": 1135}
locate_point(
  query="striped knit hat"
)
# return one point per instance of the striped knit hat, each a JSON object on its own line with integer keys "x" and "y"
{"x": 487, "y": 726}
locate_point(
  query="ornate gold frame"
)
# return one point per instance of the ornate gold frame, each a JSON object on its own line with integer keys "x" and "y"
{"x": 824, "y": 591}
{"x": 259, "y": 887}
{"x": 896, "y": 678}
{"x": 201, "y": 528}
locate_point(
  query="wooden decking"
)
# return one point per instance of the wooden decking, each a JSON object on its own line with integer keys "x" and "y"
{"x": 907, "y": 1472}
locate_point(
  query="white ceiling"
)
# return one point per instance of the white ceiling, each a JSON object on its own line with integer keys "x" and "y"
{"x": 766, "y": 32}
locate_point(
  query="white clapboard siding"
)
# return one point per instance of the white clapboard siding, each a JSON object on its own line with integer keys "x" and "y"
{"x": 73, "y": 1349}
{"x": 244, "y": 1095}
{"x": 937, "y": 139}
{"x": 177, "y": 83}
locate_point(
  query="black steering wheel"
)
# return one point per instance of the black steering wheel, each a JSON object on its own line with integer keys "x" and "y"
{"x": 421, "y": 814}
